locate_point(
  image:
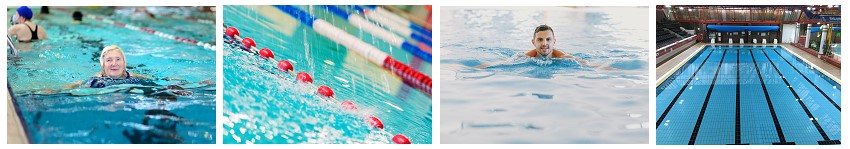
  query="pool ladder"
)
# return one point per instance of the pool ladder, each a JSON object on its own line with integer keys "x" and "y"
{"x": 11, "y": 45}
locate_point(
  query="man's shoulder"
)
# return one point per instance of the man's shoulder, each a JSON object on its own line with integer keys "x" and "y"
{"x": 558, "y": 53}
{"x": 531, "y": 53}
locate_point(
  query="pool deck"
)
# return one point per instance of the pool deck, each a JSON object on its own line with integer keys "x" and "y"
{"x": 14, "y": 132}
{"x": 665, "y": 70}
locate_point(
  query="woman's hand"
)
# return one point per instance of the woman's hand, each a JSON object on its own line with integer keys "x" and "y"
{"x": 72, "y": 85}
{"x": 208, "y": 82}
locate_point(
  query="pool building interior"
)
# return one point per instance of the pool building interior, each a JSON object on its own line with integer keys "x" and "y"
{"x": 811, "y": 33}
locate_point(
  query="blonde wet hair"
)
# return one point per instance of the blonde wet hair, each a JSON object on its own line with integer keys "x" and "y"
{"x": 108, "y": 49}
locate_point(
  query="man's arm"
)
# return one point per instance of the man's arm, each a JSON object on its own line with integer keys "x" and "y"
{"x": 588, "y": 64}
{"x": 490, "y": 64}
{"x": 531, "y": 53}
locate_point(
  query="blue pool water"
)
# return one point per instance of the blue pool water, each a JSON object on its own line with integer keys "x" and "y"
{"x": 263, "y": 105}
{"x": 104, "y": 115}
{"x": 529, "y": 100}
{"x": 747, "y": 95}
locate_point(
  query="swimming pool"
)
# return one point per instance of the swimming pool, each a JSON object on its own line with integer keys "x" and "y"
{"x": 747, "y": 95}
{"x": 263, "y": 105}
{"x": 529, "y": 100}
{"x": 104, "y": 115}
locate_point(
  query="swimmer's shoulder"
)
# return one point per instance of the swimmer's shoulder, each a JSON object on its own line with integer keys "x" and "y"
{"x": 531, "y": 53}
{"x": 559, "y": 54}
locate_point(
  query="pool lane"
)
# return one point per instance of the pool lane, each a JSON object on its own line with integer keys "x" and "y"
{"x": 713, "y": 123}
{"x": 747, "y": 95}
{"x": 829, "y": 97}
{"x": 678, "y": 121}
{"x": 823, "y": 115}
{"x": 759, "y": 122}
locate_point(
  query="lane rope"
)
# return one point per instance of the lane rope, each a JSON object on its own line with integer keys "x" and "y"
{"x": 232, "y": 35}
{"x": 385, "y": 35}
{"x": 409, "y": 75}
{"x": 146, "y": 30}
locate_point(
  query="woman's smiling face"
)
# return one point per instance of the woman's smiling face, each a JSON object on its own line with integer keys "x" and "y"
{"x": 113, "y": 64}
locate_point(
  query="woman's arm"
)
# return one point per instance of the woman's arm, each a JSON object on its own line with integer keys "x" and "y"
{"x": 13, "y": 31}
{"x": 140, "y": 76}
{"x": 72, "y": 85}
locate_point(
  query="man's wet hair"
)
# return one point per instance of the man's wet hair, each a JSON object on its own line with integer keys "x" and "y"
{"x": 541, "y": 28}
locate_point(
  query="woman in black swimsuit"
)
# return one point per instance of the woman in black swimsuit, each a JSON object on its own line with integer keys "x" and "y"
{"x": 24, "y": 17}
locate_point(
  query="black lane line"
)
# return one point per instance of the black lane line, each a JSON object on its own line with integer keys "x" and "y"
{"x": 809, "y": 113}
{"x": 769, "y": 103}
{"x": 705, "y": 103}
{"x": 738, "y": 98}
{"x": 673, "y": 102}
{"x": 810, "y": 82}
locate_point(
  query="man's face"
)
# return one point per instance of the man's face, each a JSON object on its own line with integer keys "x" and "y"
{"x": 544, "y": 42}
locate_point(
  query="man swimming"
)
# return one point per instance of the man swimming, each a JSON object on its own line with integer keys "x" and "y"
{"x": 544, "y": 46}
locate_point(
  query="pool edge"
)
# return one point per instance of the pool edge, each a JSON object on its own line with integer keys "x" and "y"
{"x": 821, "y": 70}
{"x": 15, "y": 132}
{"x": 679, "y": 65}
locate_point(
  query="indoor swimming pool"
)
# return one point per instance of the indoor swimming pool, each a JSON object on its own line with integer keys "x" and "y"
{"x": 734, "y": 94}
{"x": 131, "y": 113}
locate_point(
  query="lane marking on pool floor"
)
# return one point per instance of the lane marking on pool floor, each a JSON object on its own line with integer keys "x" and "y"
{"x": 810, "y": 81}
{"x": 803, "y": 105}
{"x": 673, "y": 102}
{"x": 705, "y": 101}
{"x": 738, "y": 98}
{"x": 776, "y": 123}
{"x": 822, "y": 71}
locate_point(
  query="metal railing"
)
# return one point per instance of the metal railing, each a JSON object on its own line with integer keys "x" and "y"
{"x": 672, "y": 47}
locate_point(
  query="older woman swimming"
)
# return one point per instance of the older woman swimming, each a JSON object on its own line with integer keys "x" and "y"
{"x": 113, "y": 67}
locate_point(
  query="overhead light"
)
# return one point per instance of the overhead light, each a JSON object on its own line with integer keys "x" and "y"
{"x": 681, "y": 8}
{"x": 668, "y": 6}
{"x": 828, "y": 6}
